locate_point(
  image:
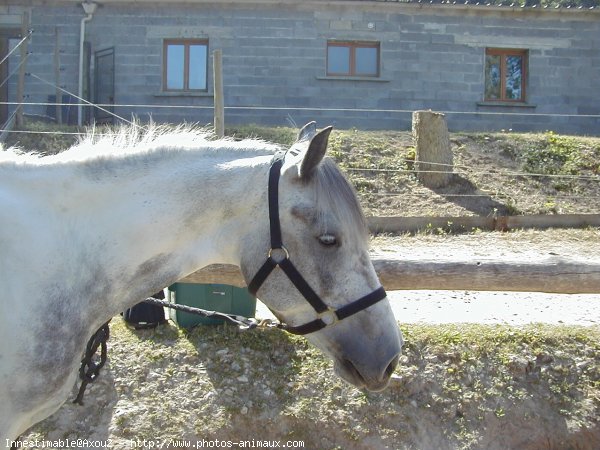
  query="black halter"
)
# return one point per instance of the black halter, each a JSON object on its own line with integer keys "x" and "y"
{"x": 278, "y": 256}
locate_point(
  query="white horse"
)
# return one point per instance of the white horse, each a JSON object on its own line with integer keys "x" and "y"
{"x": 92, "y": 231}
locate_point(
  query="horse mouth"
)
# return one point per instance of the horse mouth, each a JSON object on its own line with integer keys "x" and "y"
{"x": 348, "y": 372}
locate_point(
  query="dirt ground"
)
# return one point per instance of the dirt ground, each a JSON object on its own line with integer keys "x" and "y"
{"x": 491, "y": 176}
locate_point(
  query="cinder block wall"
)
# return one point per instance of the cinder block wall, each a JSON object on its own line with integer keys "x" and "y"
{"x": 432, "y": 57}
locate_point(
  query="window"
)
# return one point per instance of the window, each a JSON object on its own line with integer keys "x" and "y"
{"x": 355, "y": 59}
{"x": 185, "y": 65}
{"x": 505, "y": 75}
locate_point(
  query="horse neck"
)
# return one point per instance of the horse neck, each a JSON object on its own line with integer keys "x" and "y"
{"x": 167, "y": 217}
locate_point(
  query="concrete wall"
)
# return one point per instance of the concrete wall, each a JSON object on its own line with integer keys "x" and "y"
{"x": 432, "y": 57}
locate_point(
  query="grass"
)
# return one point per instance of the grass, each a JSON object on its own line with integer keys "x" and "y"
{"x": 551, "y": 3}
{"x": 499, "y": 367}
{"x": 561, "y": 155}
{"x": 351, "y": 148}
{"x": 460, "y": 378}
{"x": 547, "y": 153}
{"x": 280, "y": 135}
{"x": 43, "y": 137}
{"x": 380, "y": 166}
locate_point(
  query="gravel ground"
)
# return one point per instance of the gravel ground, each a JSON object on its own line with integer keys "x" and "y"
{"x": 508, "y": 308}
{"x": 512, "y": 308}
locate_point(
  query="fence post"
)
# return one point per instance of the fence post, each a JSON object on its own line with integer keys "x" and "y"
{"x": 433, "y": 159}
{"x": 57, "y": 78}
{"x": 21, "y": 79}
{"x": 218, "y": 94}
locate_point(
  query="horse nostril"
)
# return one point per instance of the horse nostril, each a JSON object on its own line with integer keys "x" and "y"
{"x": 352, "y": 368}
{"x": 392, "y": 365}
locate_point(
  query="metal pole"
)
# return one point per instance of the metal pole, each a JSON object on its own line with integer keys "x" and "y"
{"x": 89, "y": 8}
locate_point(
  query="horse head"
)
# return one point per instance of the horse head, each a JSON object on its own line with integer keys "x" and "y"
{"x": 311, "y": 265}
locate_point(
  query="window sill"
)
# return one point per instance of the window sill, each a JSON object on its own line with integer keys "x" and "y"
{"x": 508, "y": 104}
{"x": 343, "y": 78}
{"x": 183, "y": 94}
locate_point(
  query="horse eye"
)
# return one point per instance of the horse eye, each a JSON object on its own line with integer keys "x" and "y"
{"x": 327, "y": 239}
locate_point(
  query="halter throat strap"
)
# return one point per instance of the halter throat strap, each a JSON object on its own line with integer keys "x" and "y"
{"x": 278, "y": 256}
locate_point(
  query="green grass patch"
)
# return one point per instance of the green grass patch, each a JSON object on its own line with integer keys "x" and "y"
{"x": 562, "y": 155}
{"x": 43, "y": 137}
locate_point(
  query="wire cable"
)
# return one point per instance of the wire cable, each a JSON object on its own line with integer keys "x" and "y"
{"x": 23, "y": 61}
{"x": 17, "y": 46}
{"x": 85, "y": 101}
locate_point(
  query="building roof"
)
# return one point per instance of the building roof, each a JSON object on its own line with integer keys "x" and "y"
{"x": 530, "y": 5}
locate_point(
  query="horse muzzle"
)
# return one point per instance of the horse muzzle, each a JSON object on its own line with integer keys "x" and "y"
{"x": 376, "y": 381}
{"x": 368, "y": 374}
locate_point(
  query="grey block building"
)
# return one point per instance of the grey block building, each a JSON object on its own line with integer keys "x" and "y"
{"x": 364, "y": 63}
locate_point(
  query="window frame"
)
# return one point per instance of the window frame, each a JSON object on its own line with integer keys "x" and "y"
{"x": 352, "y": 46}
{"x": 503, "y": 53}
{"x": 187, "y": 43}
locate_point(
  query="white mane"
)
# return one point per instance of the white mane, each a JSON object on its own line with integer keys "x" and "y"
{"x": 140, "y": 140}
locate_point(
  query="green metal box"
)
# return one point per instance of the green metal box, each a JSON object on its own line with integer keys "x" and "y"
{"x": 213, "y": 297}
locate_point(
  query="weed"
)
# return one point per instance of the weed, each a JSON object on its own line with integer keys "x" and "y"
{"x": 560, "y": 155}
{"x": 41, "y": 139}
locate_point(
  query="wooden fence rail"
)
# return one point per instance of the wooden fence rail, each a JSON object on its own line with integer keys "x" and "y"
{"x": 468, "y": 223}
{"x": 548, "y": 274}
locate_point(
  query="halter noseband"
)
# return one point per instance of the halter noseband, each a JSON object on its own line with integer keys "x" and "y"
{"x": 278, "y": 256}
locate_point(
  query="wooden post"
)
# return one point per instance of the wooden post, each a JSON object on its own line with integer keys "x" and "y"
{"x": 57, "y": 79}
{"x": 219, "y": 109}
{"x": 21, "y": 79}
{"x": 433, "y": 160}
{"x": 4, "y": 76}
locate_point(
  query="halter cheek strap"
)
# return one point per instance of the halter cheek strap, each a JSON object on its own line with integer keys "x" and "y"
{"x": 278, "y": 256}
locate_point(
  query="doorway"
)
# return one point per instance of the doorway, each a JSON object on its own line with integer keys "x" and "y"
{"x": 104, "y": 63}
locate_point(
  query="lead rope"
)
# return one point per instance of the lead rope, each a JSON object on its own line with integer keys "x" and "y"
{"x": 244, "y": 323}
{"x": 90, "y": 369}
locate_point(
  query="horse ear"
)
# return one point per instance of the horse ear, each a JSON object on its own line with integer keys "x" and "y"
{"x": 315, "y": 153}
{"x": 307, "y": 132}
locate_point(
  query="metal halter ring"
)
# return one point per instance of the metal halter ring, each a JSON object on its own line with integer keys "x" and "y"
{"x": 329, "y": 316}
{"x": 283, "y": 257}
